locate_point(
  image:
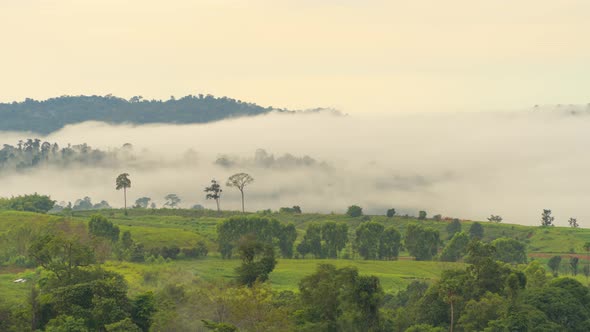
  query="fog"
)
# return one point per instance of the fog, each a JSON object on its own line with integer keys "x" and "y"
{"x": 466, "y": 165}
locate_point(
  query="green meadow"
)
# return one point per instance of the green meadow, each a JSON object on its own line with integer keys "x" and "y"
{"x": 185, "y": 228}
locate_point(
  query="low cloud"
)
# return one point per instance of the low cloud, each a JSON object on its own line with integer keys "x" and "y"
{"x": 466, "y": 165}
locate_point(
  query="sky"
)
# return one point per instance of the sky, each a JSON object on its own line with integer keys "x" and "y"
{"x": 357, "y": 56}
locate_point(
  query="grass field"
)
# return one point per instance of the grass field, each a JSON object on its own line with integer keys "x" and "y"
{"x": 184, "y": 228}
{"x": 394, "y": 275}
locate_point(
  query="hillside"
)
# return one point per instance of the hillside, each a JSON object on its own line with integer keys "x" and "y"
{"x": 49, "y": 115}
{"x": 189, "y": 280}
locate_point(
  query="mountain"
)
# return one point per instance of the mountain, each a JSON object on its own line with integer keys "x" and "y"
{"x": 49, "y": 115}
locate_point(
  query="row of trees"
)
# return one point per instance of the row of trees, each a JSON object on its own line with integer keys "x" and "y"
{"x": 238, "y": 181}
{"x": 33, "y": 152}
{"x": 371, "y": 241}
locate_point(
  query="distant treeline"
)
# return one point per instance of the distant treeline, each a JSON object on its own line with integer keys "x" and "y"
{"x": 33, "y": 152}
{"x": 53, "y": 114}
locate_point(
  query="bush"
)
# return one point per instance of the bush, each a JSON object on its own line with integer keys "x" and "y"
{"x": 354, "y": 211}
{"x": 31, "y": 203}
{"x": 390, "y": 213}
{"x": 200, "y": 250}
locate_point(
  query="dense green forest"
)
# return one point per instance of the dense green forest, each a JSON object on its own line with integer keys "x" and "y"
{"x": 49, "y": 115}
{"x": 148, "y": 269}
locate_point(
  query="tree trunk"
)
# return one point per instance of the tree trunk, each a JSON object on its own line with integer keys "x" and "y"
{"x": 217, "y": 201}
{"x": 243, "y": 210}
{"x": 452, "y": 316}
{"x": 125, "y": 198}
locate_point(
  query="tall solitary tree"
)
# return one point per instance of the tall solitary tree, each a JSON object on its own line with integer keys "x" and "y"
{"x": 547, "y": 218}
{"x": 123, "y": 182}
{"x": 573, "y": 222}
{"x": 214, "y": 192}
{"x": 240, "y": 180}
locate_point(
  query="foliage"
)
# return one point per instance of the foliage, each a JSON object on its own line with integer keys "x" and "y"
{"x": 64, "y": 256}
{"x": 422, "y": 242}
{"x": 510, "y": 250}
{"x": 100, "y": 226}
{"x": 453, "y": 227}
{"x": 295, "y": 209}
{"x": 258, "y": 261}
{"x": 476, "y": 231}
{"x": 32, "y": 203}
{"x": 554, "y": 263}
{"x": 546, "y": 218}
{"x": 334, "y": 299}
{"x": 422, "y": 215}
{"x": 495, "y": 218}
{"x": 367, "y": 239}
{"x": 312, "y": 241}
{"x": 354, "y": 211}
{"x": 265, "y": 230}
{"x": 240, "y": 181}
{"x": 390, "y": 213}
{"x": 142, "y": 202}
{"x": 334, "y": 238}
{"x": 573, "y": 222}
{"x": 456, "y": 248}
{"x": 172, "y": 201}
{"x": 33, "y": 115}
{"x": 214, "y": 192}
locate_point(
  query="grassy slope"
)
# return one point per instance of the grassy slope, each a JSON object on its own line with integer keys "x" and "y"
{"x": 394, "y": 275}
{"x": 185, "y": 228}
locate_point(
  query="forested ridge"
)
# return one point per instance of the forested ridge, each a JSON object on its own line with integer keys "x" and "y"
{"x": 46, "y": 116}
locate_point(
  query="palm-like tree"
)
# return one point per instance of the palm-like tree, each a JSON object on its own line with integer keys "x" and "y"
{"x": 123, "y": 182}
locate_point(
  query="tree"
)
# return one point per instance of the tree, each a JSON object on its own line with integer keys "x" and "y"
{"x": 100, "y": 226}
{"x": 123, "y": 182}
{"x": 449, "y": 288}
{"x": 354, "y": 211}
{"x": 340, "y": 300}
{"x": 390, "y": 213}
{"x": 61, "y": 255}
{"x": 142, "y": 202}
{"x": 422, "y": 215}
{"x": 287, "y": 237}
{"x": 368, "y": 238}
{"x": 510, "y": 251}
{"x": 546, "y": 218}
{"x": 422, "y": 242}
{"x": 476, "y": 231}
{"x": 453, "y": 227}
{"x": 334, "y": 237}
{"x": 172, "y": 200}
{"x": 456, "y": 248}
{"x": 574, "y": 265}
{"x": 494, "y": 218}
{"x": 389, "y": 244}
{"x": 573, "y": 222}
{"x": 142, "y": 309}
{"x": 258, "y": 261}
{"x": 239, "y": 181}
{"x": 214, "y": 192}
{"x": 553, "y": 264}
{"x": 587, "y": 267}
{"x": 312, "y": 241}
{"x": 477, "y": 314}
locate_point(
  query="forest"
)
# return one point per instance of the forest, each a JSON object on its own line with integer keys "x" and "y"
{"x": 47, "y": 116}
{"x": 170, "y": 269}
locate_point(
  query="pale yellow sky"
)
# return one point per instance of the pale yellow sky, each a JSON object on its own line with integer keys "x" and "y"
{"x": 357, "y": 56}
